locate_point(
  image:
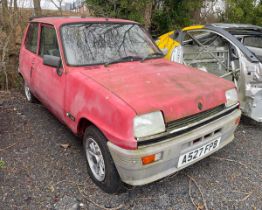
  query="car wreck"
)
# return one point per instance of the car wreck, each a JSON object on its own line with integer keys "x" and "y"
{"x": 141, "y": 117}
{"x": 230, "y": 51}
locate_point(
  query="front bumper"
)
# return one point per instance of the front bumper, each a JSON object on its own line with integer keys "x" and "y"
{"x": 133, "y": 172}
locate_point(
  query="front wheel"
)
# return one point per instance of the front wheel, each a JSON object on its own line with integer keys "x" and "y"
{"x": 100, "y": 165}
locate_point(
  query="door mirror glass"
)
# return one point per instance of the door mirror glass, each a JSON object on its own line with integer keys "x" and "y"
{"x": 51, "y": 60}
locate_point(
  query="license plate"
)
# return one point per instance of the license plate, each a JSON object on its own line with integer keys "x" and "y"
{"x": 198, "y": 153}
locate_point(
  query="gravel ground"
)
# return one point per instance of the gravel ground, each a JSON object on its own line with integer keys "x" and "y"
{"x": 37, "y": 173}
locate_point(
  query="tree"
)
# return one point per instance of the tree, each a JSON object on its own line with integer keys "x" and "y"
{"x": 175, "y": 14}
{"x": 58, "y": 5}
{"x": 244, "y": 11}
{"x": 148, "y": 13}
{"x": 137, "y": 10}
{"x": 5, "y": 13}
{"x": 37, "y": 8}
{"x": 15, "y": 5}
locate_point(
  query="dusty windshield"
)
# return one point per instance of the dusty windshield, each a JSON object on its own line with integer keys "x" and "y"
{"x": 100, "y": 43}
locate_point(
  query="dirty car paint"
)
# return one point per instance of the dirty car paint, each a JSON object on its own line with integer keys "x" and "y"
{"x": 110, "y": 97}
{"x": 161, "y": 85}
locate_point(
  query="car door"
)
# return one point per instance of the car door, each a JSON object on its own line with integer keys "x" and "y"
{"x": 48, "y": 83}
{"x": 28, "y": 54}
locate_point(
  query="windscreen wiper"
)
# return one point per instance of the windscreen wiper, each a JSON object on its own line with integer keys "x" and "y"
{"x": 126, "y": 58}
{"x": 153, "y": 55}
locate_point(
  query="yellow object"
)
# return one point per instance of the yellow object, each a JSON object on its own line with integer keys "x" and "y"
{"x": 193, "y": 27}
{"x": 165, "y": 42}
{"x": 148, "y": 159}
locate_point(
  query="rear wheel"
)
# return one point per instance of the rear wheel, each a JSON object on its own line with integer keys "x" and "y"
{"x": 29, "y": 96}
{"x": 100, "y": 165}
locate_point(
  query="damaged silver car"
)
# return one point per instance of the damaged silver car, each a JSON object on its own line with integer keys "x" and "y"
{"x": 231, "y": 51}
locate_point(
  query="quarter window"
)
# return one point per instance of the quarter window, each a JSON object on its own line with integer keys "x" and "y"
{"x": 31, "y": 38}
{"x": 48, "y": 42}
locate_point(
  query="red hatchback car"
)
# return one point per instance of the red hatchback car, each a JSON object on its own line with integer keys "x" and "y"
{"x": 141, "y": 117}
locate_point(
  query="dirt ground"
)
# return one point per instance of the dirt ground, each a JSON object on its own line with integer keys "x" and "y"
{"x": 36, "y": 172}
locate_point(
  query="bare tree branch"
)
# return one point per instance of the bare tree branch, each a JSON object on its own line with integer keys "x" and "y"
{"x": 57, "y": 4}
{"x": 37, "y": 7}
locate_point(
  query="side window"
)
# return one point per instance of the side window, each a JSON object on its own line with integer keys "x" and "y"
{"x": 253, "y": 41}
{"x": 31, "y": 37}
{"x": 48, "y": 42}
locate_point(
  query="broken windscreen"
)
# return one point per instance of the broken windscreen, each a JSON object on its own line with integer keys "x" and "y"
{"x": 100, "y": 43}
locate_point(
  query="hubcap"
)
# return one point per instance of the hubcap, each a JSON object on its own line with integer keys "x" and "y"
{"x": 95, "y": 159}
{"x": 27, "y": 93}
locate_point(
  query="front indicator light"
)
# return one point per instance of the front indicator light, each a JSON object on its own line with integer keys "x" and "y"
{"x": 151, "y": 158}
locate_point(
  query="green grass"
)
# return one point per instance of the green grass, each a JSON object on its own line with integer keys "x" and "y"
{"x": 2, "y": 164}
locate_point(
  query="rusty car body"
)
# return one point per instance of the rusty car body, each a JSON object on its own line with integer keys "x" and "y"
{"x": 231, "y": 51}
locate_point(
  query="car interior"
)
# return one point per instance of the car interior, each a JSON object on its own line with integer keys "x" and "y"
{"x": 210, "y": 52}
{"x": 49, "y": 45}
{"x": 251, "y": 38}
{"x": 254, "y": 44}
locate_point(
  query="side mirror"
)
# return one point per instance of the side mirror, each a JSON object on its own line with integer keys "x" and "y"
{"x": 51, "y": 60}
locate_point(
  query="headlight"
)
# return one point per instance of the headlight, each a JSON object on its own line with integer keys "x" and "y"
{"x": 232, "y": 97}
{"x": 149, "y": 124}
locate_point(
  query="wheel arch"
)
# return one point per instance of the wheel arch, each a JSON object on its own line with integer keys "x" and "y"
{"x": 84, "y": 123}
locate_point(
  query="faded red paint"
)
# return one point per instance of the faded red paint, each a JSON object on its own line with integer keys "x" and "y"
{"x": 110, "y": 97}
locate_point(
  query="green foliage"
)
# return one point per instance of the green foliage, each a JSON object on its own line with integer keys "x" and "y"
{"x": 176, "y": 14}
{"x": 2, "y": 164}
{"x": 132, "y": 10}
{"x": 244, "y": 11}
{"x": 166, "y": 14}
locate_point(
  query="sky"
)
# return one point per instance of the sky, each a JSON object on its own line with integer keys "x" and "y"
{"x": 45, "y": 4}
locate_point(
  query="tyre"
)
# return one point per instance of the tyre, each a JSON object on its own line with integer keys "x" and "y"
{"x": 100, "y": 165}
{"x": 29, "y": 96}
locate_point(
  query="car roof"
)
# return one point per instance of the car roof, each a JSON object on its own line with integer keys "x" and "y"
{"x": 235, "y": 26}
{"x": 58, "y": 21}
{"x": 226, "y": 26}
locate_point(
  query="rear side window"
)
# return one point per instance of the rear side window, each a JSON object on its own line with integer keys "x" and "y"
{"x": 31, "y": 37}
{"x": 48, "y": 42}
{"x": 253, "y": 41}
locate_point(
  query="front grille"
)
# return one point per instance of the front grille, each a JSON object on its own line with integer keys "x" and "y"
{"x": 194, "y": 118}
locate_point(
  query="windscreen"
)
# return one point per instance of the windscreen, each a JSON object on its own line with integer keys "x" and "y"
{"x": 99, "y": 43}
